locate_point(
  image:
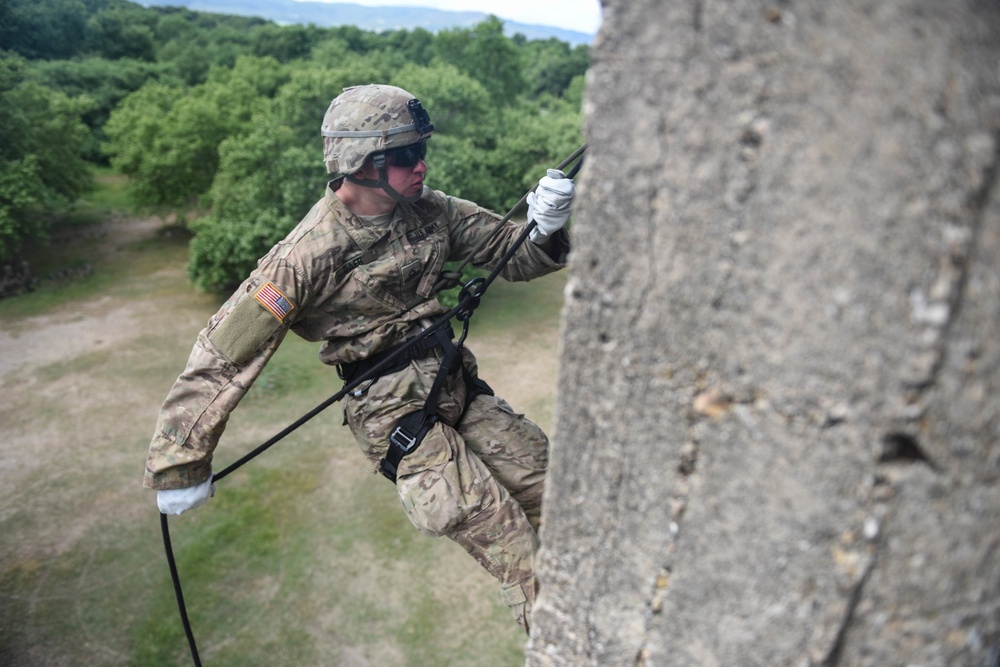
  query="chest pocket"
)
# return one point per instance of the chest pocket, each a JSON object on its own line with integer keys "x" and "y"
{"x": 419, "y": 273}
{"x": 425, "y": 249}
{"x": 397, "y": 274}
{"x": 379, "y": 280}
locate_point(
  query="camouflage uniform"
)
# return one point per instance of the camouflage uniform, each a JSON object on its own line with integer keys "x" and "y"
{"x": 361, "y": 288}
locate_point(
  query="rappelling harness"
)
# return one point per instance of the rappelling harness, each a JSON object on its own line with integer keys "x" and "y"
{"x": 409, "y": 432}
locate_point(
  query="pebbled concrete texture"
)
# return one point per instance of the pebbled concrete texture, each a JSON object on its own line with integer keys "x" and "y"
{"x": 777, "y": 434}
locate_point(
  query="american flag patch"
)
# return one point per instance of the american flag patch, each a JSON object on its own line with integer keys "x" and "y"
{"x": 275, "y": 302}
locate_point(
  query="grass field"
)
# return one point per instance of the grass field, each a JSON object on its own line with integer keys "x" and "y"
{"x": 302, "y": 558}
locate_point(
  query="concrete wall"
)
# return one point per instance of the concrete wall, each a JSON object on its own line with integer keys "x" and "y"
{"x": 777, "y": 436}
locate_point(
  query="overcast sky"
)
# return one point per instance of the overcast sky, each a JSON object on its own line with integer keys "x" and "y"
{"x": 580, "y": 15}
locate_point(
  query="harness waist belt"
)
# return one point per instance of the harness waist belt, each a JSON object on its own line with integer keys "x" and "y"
{"x": 352, "y": 369}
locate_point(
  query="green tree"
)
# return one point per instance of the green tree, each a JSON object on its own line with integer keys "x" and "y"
{"x": 573, "y": 95}
{"x": 360, "y": 41}
{"x": 550, "y": 65}
{"x": 301, "y": 102}
{"x": 136, "y": 123}
{"x": 285, "y": 43}
{"x": 106, "y": 82}
{"x": 485, "y": 54}
{"x": 532, "y": 137}
{"x": 135, "y": 133}
{"x": 461, "y": 105}
{"x": 121, "y": 31}
{"x": 191, "y": 43}
{"x": 412, "y": 46}
{"x": 43, "y": 29}
{"x": 41, "y": 168}
{"x": 536, "y": 136}
{"x": 189, "y": 57}
{"x": 167, "y": 139}
{"x": 240, "y": 133}
{"x": 174, "y": 24}
{"x": 266, "y": 182}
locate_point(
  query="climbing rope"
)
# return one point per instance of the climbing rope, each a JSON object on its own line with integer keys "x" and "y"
{"x": 468, "y": 300}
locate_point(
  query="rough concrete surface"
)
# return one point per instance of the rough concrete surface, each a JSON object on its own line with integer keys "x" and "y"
{"x": 777, "y": 436}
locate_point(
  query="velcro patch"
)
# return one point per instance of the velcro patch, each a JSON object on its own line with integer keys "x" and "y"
{"x": 512, "y": 595}
{"x": 243, "y": 331}
{"x": 274, "y": 301}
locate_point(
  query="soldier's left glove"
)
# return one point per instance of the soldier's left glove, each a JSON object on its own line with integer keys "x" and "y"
{"x": 175, "y": 501}
{"x": 549, "y": 205}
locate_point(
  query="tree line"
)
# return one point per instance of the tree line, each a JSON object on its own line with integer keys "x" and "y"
{"x": 221, "y": 114}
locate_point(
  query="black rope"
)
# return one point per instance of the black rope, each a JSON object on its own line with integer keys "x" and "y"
{"x": 468, "y": 300}
{"x": 165, "y": 529}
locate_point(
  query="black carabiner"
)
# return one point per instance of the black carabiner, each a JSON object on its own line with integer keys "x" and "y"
{"x": 467, "y": 309}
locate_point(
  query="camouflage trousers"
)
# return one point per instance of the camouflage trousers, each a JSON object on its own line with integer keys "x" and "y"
{"x": 478, "y": 481}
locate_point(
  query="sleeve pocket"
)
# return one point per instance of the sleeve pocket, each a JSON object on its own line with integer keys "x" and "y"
{"x": 243, "y": 331}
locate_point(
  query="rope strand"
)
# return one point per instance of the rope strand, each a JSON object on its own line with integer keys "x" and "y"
{"x": 165, "y": 530}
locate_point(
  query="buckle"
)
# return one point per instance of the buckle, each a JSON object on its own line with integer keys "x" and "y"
{"x": 402, "y": 439}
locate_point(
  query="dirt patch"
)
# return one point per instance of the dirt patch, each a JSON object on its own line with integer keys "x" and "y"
{"x": 81, "y": 327}
{"x": 117, "y": 231}
{"x": 101, "y": 323}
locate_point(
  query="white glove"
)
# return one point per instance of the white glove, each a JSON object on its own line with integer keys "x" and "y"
{"x": 549, "y": 205}
{"x": 175, "y": 501}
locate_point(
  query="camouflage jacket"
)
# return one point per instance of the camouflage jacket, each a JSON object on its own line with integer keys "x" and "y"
{"x": 357, "y": 287}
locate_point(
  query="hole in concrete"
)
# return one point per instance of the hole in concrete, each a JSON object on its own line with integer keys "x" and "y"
{"x": 898, "y": 447}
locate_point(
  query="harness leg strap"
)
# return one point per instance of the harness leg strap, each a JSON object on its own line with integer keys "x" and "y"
{"x": 405, "y": 437}
{"x": 409, "y": 431}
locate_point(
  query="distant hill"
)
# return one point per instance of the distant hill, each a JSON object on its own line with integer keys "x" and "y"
{"x": 366, "y": 18}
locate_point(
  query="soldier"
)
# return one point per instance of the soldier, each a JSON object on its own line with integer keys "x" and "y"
{"x": 358, "y": 273}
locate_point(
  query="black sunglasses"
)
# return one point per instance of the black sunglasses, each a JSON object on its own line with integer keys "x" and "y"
{"x": 407, "y": 156}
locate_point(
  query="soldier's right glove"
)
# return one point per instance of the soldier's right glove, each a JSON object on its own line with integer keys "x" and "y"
{"x": 549, "y": 205}
{"x": 175, "y": 501}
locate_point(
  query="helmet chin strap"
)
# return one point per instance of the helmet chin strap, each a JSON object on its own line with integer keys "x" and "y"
{"x": 383, "y": 182}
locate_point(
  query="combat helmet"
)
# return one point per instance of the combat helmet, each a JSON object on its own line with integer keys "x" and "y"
{"x": 367, "y": 121}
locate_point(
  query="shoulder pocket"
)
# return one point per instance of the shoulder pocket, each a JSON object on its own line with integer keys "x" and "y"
{"x": 243, "y": 330}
